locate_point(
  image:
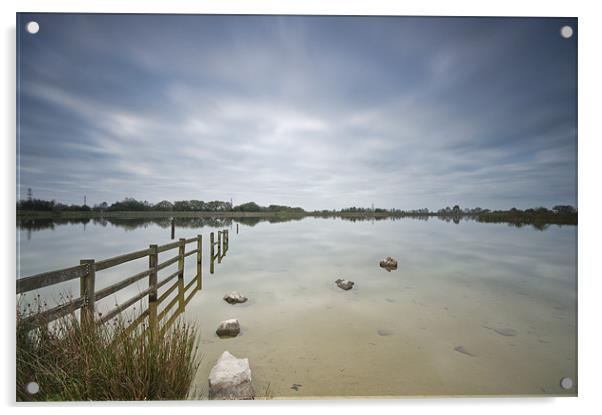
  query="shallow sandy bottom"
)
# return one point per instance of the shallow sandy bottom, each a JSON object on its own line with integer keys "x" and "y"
{"x": 433, "y": 327}
{"x": 473, "y": 309}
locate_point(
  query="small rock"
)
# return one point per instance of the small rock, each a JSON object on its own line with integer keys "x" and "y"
{"x": 344, "y": 284}
{"x": 234, "y": 298}
{"x": 228, "y": 328}
{"x": 230, "y": 378}
{"x": 388, "y": 263}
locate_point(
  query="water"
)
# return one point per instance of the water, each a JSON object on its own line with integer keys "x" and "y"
{"x": 473, "y": 308}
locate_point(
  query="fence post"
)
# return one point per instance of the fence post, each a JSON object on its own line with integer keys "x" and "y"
{"x": 181, "y": 251}
{"x": 219, "y": 247}
{"x": 153, "y": 260}
{"x": 199, "y": 261}
{"x": 86, "y": 290}
{"x": 212, "y": 262}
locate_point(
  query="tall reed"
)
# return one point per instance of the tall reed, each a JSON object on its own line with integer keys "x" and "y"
{"x": 74, "y": 362}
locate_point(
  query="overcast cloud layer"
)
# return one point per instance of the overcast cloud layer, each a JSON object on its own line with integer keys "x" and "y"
{"x": 320, "y": 112}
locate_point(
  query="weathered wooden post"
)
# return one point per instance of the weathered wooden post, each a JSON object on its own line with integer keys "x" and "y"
{"x": 181, "y": 302}
{"x": 153, "y": 261}
{"x": 237, "y": 228}
{"x": 173, "y": 228}
{"x": 219, "y": 247}
{"x": 212, "y": 259}
{"x": 86, "y": 291}
{"x": 199, "y": 261}
{"x": 181, "y": 251}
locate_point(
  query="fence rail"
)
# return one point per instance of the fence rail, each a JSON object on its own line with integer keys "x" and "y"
{"x": 87, "y": 271}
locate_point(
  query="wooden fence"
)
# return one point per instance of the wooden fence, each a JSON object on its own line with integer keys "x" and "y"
{"x": 87, "y": 271}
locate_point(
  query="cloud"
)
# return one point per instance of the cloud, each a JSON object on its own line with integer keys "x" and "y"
{"x": 322, "y": 112}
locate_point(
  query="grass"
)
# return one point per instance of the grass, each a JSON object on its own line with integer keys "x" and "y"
{"x": 74, "y": 362}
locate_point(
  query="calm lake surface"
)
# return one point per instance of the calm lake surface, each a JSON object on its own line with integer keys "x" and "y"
{"x": 472, "y": 309}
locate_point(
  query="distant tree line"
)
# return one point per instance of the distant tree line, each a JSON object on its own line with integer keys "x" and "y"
{"x": 49, "y": 206}
{"x": 130, "y": 204}
{"x": 559, "y": 213}
{"x": 254, "y": 207}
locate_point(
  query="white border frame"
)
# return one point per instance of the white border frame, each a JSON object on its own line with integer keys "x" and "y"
{"x": 590, "y": 138}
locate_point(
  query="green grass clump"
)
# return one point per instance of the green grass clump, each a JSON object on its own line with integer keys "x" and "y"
{"x": 74, "y": 362}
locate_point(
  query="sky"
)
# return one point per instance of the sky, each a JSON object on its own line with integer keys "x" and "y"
{"x": 322, "y": 112}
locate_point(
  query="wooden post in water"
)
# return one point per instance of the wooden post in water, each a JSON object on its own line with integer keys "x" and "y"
{"x": 226, "y": 241}
{"x": 153, "y": 260}
{"x": 181, "y": 251}
{"x": 237, "y": 228}
{"x": 212, "y": 255}
{"x": 173, "y": 228}
{"x": 219, "y": 247}
{"x": 199, "y": 261}
{"x": 86, "y": 290}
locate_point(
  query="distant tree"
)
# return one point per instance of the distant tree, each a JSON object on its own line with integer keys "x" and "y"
{"x": 129, "y": 204}
{"x": 564, "y": 209}
{"x": 182, "y": 206}
{"x": 247, "y": 207}
{"x": 163, "y": 206}
{"x": 36, "y": 204}
{"x": 101, "y": 206}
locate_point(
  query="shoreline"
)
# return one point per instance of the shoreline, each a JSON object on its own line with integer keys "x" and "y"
{"x": 489, "y": 217}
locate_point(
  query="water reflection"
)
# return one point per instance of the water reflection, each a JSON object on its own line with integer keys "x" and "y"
{"x": 401, "y": 333}
{"x": 162, "y": 313}
{"x": 32, "y": 225}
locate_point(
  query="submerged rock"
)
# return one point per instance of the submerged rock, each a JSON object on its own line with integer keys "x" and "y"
{"x": 234, "y": 298}
{"x": 230, "y": 378}
{"x": 384, "y": 332}
{"x": 504, "y": 331}
{"x": 344, "y": 284}
{"x": 388, "y": 263}
{"x": 228, "y": 328}
{"x": 461, "y": 349}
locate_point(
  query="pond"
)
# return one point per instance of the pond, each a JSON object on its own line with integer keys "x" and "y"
{"x": 473, "y": 308}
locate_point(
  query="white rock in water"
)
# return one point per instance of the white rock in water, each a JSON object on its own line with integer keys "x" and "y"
{"x": 344, "y": 284}
{"x": 234, "y": 298}
{"x": 228, "y": 328}
{"x": 230, "y": 378}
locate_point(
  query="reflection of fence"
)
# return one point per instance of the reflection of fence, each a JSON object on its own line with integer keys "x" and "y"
{"x": 222, "y": 248}
{"x": 87, "y": 271}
